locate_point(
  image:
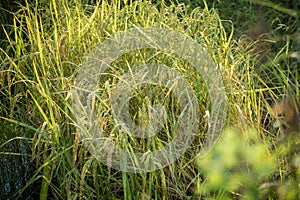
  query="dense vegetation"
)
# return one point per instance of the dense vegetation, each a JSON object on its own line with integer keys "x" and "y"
{"x": 255, "y": 46}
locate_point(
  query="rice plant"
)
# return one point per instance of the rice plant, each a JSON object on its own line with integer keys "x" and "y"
{"x": 47, "y": 46}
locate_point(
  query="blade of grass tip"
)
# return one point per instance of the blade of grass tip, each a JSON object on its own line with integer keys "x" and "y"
{"x": 276, "y": 7}
{"x": 115, "y": 8}
{"x": 7, "y": 35}
{"x": 12, "y": 139}
{"x": 19, "y": 38}
{"x": 40, "y": 42}
{"x": 85, "y": 170}
{"x": 53, "y": 6}
{"x": 39, "y": 108}
{"x": 89, "y": 24}
{"x": 57, "y": 52}
{"x": 13, "y": 62}
{"x": 25, "y": 126}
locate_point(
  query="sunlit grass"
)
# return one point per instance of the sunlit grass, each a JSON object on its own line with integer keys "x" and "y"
{"x": 38, "y": 68}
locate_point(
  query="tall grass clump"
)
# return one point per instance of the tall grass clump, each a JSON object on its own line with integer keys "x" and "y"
{"x": 45, "y": 51}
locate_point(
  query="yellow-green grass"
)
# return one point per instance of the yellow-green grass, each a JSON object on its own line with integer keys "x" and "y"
{"x": 49, "y": 43}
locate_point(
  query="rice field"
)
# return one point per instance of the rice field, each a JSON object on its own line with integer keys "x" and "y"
{"x": 148, "y": 100}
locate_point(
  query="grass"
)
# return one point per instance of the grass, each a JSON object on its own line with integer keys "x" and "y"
{"x": 45, "y": 51}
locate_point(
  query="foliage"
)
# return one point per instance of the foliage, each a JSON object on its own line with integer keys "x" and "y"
{"x": 242, "y": 166}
